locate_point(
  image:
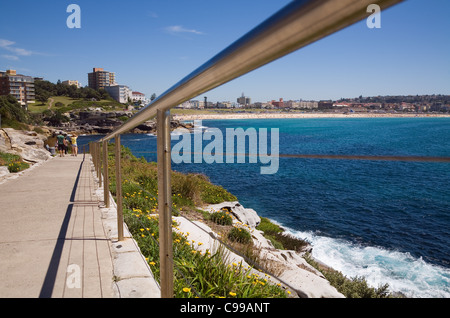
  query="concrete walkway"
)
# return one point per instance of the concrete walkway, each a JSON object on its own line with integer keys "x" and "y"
{"x": 56, "y": 239}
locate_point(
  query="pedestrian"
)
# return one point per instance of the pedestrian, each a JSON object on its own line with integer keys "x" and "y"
{"x": 60, "y": 138}
{"x": 66, "y": 144}
{"x": 73, "y": 139}
{"x": 52, "y": 143}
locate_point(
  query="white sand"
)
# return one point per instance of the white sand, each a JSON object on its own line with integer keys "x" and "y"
{"x": 300, "y": 115}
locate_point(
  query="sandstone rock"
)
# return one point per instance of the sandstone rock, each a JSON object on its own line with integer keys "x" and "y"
{"x": 4, "y": 171}
{"x": 27, "y": 144}
{"x": 246, "y": 216}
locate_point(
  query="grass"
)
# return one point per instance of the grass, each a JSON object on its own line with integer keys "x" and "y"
{"x": 65, "y": 104}
{"x": 279, "y": 239}
{"x": 13, "y": 162}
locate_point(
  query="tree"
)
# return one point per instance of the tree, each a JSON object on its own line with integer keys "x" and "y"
{"x": 11, "y": 111}
{"x": 42, "y": 96}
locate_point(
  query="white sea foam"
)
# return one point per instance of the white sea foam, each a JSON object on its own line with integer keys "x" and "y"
{"x": 404, "y": 273}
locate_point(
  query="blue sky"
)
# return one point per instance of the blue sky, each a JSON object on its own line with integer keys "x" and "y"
{"x": 152, "y": 44}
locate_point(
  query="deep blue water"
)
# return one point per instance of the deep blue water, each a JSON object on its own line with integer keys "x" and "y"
{"x": 386, "y": 220}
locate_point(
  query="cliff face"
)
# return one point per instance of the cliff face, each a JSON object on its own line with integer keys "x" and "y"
{"x": 27, "y": 144}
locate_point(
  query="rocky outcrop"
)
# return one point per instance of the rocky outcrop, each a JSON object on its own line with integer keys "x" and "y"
{"x": 243, "y": 215}
{"x": 292, "y": 269}
{"x": 27, "y": 144}
{"x": 100, "y": 122}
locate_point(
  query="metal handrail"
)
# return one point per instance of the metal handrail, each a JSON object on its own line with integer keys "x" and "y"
{"x": 298, "y": 24}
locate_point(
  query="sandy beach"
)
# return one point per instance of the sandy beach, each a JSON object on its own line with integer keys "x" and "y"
{"x": 190, "y": 117}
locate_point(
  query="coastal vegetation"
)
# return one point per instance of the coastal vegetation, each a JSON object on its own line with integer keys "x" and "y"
{"x": 197, "y": 274}
{"x": 12, "y": 114}
{"x": 353, "y": 287}
{"x": 204, "y": 274}
{"x": 13, "y": 162}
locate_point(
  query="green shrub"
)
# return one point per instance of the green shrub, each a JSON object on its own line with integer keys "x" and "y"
{"x": 355, "y": 287}
{"x": 268, "y": 227}
{"x": 13, "y": 162}
{"x": 239, "y": 235}
{"x": 18, "y": 166}
{"x": 280, "y": 240}
{"x": 221, "y": 218}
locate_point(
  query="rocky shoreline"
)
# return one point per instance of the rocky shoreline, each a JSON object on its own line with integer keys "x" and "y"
{"x": 292, "y": 269}
{"x": 101, "y": 122}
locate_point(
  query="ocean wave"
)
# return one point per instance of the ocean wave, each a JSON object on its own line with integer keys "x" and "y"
{"x": 404, "y": 273}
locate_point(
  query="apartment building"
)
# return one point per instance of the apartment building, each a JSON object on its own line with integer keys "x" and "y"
{"x": 69, "y": 82}
{"x": 99, "y": 78}
{"x": 18, "y": 85}
{"x": 120, "y": 93}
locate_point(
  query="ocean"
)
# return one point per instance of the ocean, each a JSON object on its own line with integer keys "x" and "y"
{"x": 388, "y": 221}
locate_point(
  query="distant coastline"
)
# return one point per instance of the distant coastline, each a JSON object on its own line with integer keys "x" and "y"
{"x": 190, "y": 117}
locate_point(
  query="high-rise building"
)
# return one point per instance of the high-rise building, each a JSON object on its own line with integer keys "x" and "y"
{"x": 99, "y": 78}
{"x": 243, "y": 100}
{"x": 18, "y": 85}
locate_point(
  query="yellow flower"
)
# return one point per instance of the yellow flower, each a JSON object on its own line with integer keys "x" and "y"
{"x": 186, "y": 290}
{"x": 232, "y": 294}
{"x": 152, "y": 263}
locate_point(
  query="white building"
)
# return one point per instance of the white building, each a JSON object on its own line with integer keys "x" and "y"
{"x": 197, "y": 104}
{"x": 138, "y": 97}
{"x": 120, "y": 93}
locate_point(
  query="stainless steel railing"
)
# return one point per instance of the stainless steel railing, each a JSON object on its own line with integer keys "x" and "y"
{"x": 298, "y": 24}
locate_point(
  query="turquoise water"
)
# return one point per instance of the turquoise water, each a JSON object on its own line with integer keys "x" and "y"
{"x": 387, "y": 221}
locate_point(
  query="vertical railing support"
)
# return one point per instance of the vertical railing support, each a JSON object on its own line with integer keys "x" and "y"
{"x": 90, "y": 151}
{"x": 99, "y": 161}
{"x": 164, "y": 203}
{"x": 105, "y": 174}
{"x": 118, "y": 189}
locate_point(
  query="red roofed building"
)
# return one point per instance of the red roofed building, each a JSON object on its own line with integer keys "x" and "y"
{"x": 138, "y": 97}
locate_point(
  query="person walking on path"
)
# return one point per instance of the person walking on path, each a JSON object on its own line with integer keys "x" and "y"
{"x": 74, "y": 145}
{"x": 66, "y": 144}
{"x": 61, "y": 146}
{"x": 52, "y": 144}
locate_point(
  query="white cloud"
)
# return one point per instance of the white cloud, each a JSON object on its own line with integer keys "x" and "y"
{"x": 9, "y": 45}
{"x": 10, "y": 57}
{"x": 176, "y": 29}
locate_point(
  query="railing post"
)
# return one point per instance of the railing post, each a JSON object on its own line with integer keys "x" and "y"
{"x": 118, "y": 189}
{"x": 105, "y": 174}
{"x": 90, "y": 150}
{"x": 99, "y": 161}
{"x": 164, "y": 203}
